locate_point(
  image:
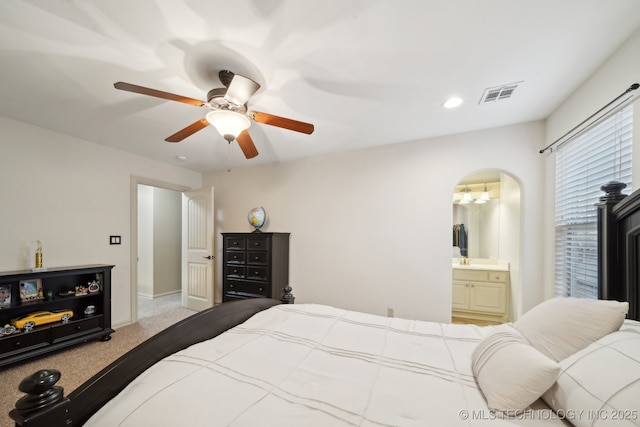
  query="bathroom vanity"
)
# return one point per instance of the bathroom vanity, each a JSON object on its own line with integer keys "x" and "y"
{"x": 481, "y": 290}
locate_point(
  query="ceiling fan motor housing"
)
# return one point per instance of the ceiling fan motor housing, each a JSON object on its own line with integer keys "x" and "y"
{"x": 217, "y": 101}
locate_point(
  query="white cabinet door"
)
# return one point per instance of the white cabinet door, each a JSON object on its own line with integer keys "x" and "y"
{"x": 460, "y": 295}
{"x": 488, "y": 297}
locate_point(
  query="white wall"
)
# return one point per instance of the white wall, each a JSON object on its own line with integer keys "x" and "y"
{"x": 72, "y": 194}
{"x": 510, "y": 238}
{"x": 371, "y": 229}
{"x": 618, "y": 73}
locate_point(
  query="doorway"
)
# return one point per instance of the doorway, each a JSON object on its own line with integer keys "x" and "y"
{"x": 159, "y": 250}
{"x": 486, "y": 247}
{"x": 196, "y": 234}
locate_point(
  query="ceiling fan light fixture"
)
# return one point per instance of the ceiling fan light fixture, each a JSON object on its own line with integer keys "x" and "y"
{"x": 228, "y": 123}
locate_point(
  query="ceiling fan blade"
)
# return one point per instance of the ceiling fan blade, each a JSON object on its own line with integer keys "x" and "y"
{"x": 240, "y": 90}
{"x": 246, "y": 144}
{"x": 188, "y": 131}
{"x": 281, "y": 122}
{"x": 157, "y": 93}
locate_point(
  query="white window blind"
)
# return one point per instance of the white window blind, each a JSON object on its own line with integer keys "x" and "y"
{"x": 583, "y": 165}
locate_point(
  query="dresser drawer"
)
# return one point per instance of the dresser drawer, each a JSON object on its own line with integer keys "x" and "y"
{"x": 475, "y": 275}
{"x": 481, "y": 275}
{"x": 234, "y": 242}
{"x": 259, "y": 258}
{"x": 236, "y": 271}
{"x": 245, "y": 287}
{"x": 234, "y": 257}
{"x": 23, "y": 341}
{"x": 257, "y": 243}
{"x": 498, "y": 276}
{"x": 257, "y": 273}
{"x": 78, "y": 327}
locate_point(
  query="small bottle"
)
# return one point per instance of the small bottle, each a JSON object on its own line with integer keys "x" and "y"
{"x": 39, "y": 255}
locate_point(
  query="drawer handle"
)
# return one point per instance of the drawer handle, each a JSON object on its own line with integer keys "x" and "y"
{"x": 78, "y": 328}
{"x": 256, "y": 258}
{"x": 17, "y": 344}
{"x": 231, "y": 286}
{"x": 260, "y": 289}
{"x": 257, "y": 243}
{"x": 256, "y": 273}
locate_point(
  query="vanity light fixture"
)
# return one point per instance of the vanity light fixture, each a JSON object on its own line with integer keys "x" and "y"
{"x": 484, "y": 197}
{"x": 466, "y": 197}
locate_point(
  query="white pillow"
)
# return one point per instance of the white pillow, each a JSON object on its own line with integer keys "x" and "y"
{"x": 561, "y": 326}
{"x": 600, "y": 384}
{"x": 510, "y": 372}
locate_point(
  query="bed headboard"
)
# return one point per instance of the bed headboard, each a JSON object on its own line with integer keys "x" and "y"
{"x": 619, "y": 246}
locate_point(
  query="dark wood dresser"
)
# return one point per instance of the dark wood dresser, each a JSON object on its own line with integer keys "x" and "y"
{"x": 255, "y": 265}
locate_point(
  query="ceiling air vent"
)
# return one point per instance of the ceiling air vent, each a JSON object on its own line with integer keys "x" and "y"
{"x": 498, "y": 93}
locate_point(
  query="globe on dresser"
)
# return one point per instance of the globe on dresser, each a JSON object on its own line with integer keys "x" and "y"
{"x": 257, "y": 217}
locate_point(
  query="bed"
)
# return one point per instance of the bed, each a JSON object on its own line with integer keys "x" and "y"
{"x": 259, "y": 362}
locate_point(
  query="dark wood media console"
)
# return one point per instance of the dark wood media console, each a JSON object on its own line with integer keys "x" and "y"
{"x": 53, "y": 290}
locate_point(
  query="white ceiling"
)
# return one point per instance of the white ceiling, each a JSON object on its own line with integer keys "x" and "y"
{"x": 364, "y": 72}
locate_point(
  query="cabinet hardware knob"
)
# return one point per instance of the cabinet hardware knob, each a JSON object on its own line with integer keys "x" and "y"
{"x": 17, "y": 344}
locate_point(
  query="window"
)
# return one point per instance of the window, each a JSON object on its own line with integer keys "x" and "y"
{"x": 583, "y": 165}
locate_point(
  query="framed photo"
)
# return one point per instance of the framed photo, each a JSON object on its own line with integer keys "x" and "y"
{"x": 5, "y": 295}
{"x": 31, "y": 290}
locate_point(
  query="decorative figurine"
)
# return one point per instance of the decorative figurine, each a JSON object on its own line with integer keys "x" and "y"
{"x": 93, "y": 286}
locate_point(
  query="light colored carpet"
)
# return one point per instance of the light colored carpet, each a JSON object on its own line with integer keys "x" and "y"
{"x": 77, "y": 364}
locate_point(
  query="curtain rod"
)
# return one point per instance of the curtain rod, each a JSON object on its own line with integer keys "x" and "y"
{"x": 632, "y": 87}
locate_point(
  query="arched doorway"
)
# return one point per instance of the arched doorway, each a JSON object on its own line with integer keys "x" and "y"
{"x": 486, "y": 223}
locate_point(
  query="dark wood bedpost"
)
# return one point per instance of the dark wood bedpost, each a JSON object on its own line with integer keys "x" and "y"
{"x": 609, "y": 250}
{"x": 44, "y": 404}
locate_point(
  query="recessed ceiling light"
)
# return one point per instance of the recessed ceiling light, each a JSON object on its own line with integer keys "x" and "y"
{"x": 453, "y": 102}
{"x": 181, "y": 158}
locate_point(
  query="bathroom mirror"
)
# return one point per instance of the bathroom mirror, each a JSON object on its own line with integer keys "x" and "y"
{"x": 476, "y": 215}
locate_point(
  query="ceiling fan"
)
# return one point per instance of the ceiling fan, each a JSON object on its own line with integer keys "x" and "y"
{"x": 229, "y": 114}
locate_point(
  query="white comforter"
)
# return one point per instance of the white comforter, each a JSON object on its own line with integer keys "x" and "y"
{"x": 312, "y": 365}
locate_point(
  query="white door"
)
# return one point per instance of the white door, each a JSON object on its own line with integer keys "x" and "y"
{"x": 197, "y": 242}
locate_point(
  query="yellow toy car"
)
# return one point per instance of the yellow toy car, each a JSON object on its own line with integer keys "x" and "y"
{"x": 41, "y": 317}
